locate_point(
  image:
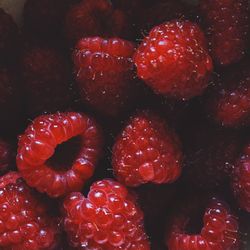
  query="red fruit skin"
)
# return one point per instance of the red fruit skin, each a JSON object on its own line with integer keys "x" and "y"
{"x": 227, "y": 24}
{"x": 94, "y": 18}
{"x": 229, "y": 103}
{"x": 107, "y": 219}
{"x": 38, "y": 144}
{"x": 45, "y": 75}
{"x": 7, "y": 157}
{"x": 241, "y": 180}
{"x": 8, "y": 36}
{"x": 173, "y": 60}
{"x": 104, "y": 73}
{"x": 24, "y": 219}
{"x": 220, "y": 230}
{"x": 147, "y": 151}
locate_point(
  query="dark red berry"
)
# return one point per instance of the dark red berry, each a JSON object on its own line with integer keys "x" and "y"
{"x": 241, "y": 180}
{"x": 24, "y": 219}
{"x": 108, "y": 219}
{"x": 173, "y": 60}
{"x": 37, "y": 145}
{"x": 220, "y": 230}
{"x": 46, "y": 80}
{"x": 7, "y": 157}
{"x": 147, "y": 151}
{"x": 227, "y": 23}
{"x": 104, "y": 73}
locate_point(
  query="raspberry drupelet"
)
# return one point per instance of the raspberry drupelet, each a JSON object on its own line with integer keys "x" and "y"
{"x": 241, "y": 180}
{"x": 24, "y": 219}
{"x": 174, "y": 61}
{"x": 37, "y": 145}
{"x": 227, "y": 23}
{"x": 108, "y": 219}
{"x": 220, "y": 230}
{"x": 104, "y": 73}
{"x": 147, "y": 151}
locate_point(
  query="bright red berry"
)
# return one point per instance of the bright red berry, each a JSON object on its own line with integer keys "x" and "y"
{"x": 229, "y": 103}
{"x": 94, "y": 18}
{"x": 24, "y": 219}
{"x": 104, "y": 73}
{"x": 147, "y": 151}
{"x": 220, "y": 230}
{"x": 45, "y": 75}
{"x": 108, "y": 219}
{"x": 173, "y": 60}
{"x": 241, "y": 180}
{"x": 7, "y": 157}
{"x": 38, "y": 144}
{"x": 227, "y": 25}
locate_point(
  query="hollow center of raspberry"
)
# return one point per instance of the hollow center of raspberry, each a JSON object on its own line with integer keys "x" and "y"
{"x": 65, "y": 154}
{"x": 195, "y": 223}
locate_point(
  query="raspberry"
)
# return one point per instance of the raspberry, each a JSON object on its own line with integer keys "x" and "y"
{"x": 108, "y": 218}
{"x": 241, "y": 180}
{"x": 104, "y": 73}
{"x": 229, "y": 103}
{"x": 8, "y": 35}
{"x": 173, "y": 60}
{"x": 37, "y": 145}
{"x": 227, "y": 27}
{"x": 46, "y": 80}
{"x": 147, "y": 151}
{"x": 220, "y": 230}
{"x": 7, "y": 157}
{"x": 24, "y": 219}
{"x": 94, "y": 18}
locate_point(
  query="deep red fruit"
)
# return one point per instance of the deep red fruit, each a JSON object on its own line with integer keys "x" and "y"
{"x": 109, "y": 219}
{"x": 147, "y": 151}
{"x": 227, "y": 25}
{"x": 7, "y": 157}
{"x": 104, "y": 73}
{"x": 173, "y": 60}
{"x": 24, "y": 219}
{"x": 229, "y": 104}
{"x": 46, "y": 80}
{"x": 37, "y": 145}
{"x": 241, "y": 180}
{"x": 220, "y": 230}
{"x": 8, "y": 35}
{"x": 94, "y": 18}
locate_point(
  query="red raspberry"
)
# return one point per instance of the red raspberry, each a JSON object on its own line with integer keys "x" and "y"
{"x": 147, "y": 151}
{"x": 94, "y": 18}
{"x": 229, "y": 104}
{"x": 46, "y": 80}
{"x": 174, "y": 60}
{"x": 24, "y": 220}
{"x": 227, "y": 27}
{"x": 7, "y": 157}
{"x": 104, "y": 73}
{"x": 37, "y": 145}
{"x": 241, "y": 180}
{"x": 220, "y": 230}
{"x": 108, "y": 219}
{"x": 8, "y": 35}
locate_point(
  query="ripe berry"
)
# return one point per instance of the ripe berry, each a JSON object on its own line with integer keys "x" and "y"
{"x": 227, "y": 27}
{"x": 147, "y": 151}
{"x": 107, "y": 219}
{"x": 241, "y": 180}
{"x": 94, "y": 18}
{"x": 37, "y": 145}
{"x": 104, "y": 73}
{"x": 8, "y": 36}
{"x": 24, "y": 219}
{"x": 7, "y": 157}
{"x": 229, "y": 103}
{"x": 173, "y": 60}
{"x": 220, "y": 230}
{"x": 45, "y": 75}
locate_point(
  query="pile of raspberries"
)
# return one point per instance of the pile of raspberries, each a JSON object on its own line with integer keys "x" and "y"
{"x": 125, "y": 125}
